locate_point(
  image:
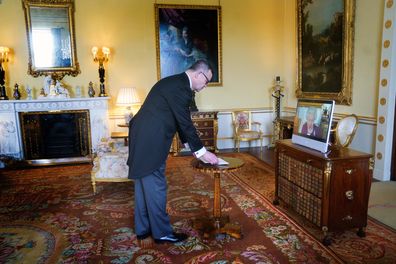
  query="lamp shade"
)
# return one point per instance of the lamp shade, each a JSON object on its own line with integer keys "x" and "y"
{"x": 127, "y": 96}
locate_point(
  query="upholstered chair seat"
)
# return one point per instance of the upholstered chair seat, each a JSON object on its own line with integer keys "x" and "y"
{"x": 110, "y": 163}
{"x": 250, "y": 134}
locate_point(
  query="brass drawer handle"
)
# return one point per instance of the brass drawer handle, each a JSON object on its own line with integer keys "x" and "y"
{"x": 349, "y": 195}
{"x": 349, "y": 171}
{"x": 347, "y": 218}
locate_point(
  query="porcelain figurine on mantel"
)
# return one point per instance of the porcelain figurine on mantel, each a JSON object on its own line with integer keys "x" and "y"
{"x": 42, "y": 94}
{"x": 54, "y": 89}
{"x": 61, "y": 90}
{"x": 46, "y": 85}
{"x": 91, "y": 91}
{"x": 29, "y": 92}
{"x": 16, "y": 94}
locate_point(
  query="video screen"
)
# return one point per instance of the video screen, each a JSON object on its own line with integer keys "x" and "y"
{"x": 313, "y": 119}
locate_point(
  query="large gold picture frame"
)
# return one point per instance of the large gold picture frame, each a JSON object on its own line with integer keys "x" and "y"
{"x": 185, "y": 34}
{"x": 325, "y": 49}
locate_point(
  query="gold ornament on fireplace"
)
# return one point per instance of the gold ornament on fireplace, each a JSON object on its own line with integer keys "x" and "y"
{"x": 4, "y": 51}
{"x": 101, "y": 56}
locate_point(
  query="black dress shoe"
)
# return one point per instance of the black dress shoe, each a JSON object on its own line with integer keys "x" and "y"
{"x": 173, "y": 238}
{"x": 144, "y": 236}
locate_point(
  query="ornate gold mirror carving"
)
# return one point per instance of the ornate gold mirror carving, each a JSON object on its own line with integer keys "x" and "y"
{"x": 51, "y": 38}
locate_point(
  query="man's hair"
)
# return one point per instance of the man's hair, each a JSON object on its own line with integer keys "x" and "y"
{"x": 200, "y": 65}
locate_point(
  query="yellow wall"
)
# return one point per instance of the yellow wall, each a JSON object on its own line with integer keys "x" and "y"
{"x": 259, "y": 43}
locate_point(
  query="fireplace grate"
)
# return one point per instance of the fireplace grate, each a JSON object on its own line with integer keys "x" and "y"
{"x": 55, "y": 135}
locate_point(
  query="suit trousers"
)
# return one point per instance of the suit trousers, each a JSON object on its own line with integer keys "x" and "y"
{"x": 151, "y": 217}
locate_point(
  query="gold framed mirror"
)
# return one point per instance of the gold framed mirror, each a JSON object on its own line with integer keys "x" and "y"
{"x": 51, "y": 38}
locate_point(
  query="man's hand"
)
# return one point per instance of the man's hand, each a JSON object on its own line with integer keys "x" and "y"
{"x": 209, "y": 157}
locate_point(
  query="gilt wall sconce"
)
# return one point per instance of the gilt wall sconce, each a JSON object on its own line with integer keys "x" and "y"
{"x": 101, "y": 56}
{"x": 4, "y": 51}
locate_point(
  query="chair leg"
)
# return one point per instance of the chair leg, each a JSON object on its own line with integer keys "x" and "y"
{"x": 238, "y": 144}
{"x": 94, "y": 186}
{"x": 93, "y": 174}
{"x": 261, "y": 144}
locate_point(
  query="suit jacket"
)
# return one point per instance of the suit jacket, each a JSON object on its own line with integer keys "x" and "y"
{"x": 164, "y": 112}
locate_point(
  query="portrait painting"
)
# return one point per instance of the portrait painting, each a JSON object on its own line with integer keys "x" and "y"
{"x": 185, "y": 34}
{"x": 325, "y": 49}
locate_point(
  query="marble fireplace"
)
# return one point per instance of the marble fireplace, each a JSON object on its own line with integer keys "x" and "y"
{"x": 48, "y": 131}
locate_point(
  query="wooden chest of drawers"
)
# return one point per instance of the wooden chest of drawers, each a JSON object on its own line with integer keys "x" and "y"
{"x": 330, "y": 190}
{"x": 206, "y": 124}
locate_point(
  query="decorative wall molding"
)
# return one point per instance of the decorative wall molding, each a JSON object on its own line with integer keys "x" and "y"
{"x": 386, "y": 95}
{"x": 362, "y": 119}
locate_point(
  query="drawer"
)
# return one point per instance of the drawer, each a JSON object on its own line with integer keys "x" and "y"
{"x": 310, "y": 160}
{"x": 208, "y": 142}
{"x": 203, "y": 123}
{"x": 205, "y": 133}
{"x": 204, "y": 115}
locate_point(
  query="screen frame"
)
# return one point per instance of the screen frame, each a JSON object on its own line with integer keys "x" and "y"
{"x": 317, "y": 143}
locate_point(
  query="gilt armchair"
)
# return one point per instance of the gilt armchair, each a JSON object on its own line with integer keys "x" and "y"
{"x": 245, "y": 129}
{"x": 345, "y": 130}
{"x": 110, "y": 163}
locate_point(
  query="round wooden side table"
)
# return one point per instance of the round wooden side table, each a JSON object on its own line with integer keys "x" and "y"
{"x": 218, "y": 224}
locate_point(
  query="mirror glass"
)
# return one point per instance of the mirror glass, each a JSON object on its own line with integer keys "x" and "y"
{"x": 51, "y": 37}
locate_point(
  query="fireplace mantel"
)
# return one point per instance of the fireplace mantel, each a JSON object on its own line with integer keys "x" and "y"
{"x": 10, "y": 130}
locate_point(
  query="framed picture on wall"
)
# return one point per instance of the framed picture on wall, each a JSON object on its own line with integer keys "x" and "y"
{"x": 185, "y": 34}
{"x": 325, "y": 49}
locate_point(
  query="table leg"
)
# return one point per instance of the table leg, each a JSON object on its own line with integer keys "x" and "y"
{"x": 218, "y": 224}
{"x": 217, "y": 197}
{"x": 217, "y": 201}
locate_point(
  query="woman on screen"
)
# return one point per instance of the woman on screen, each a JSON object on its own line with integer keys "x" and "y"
{"x": 309, "y": 128}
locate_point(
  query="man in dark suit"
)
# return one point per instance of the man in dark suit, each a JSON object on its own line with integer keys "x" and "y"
{"x": 164, "y": 112}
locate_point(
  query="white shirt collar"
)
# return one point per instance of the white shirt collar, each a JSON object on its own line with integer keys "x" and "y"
{"x": 189, "y": 79}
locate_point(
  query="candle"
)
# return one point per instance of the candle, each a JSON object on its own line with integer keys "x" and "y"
{"x": 4, "y": 53}
{"x": 94, "y": 52}
{"x": 106, "y": 52}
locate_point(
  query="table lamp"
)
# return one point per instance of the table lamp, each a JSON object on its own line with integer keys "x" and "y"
{"x": 127, "y": 96}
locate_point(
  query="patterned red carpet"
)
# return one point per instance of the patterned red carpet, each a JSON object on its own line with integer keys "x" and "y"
{"x": 50, "y": 215}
